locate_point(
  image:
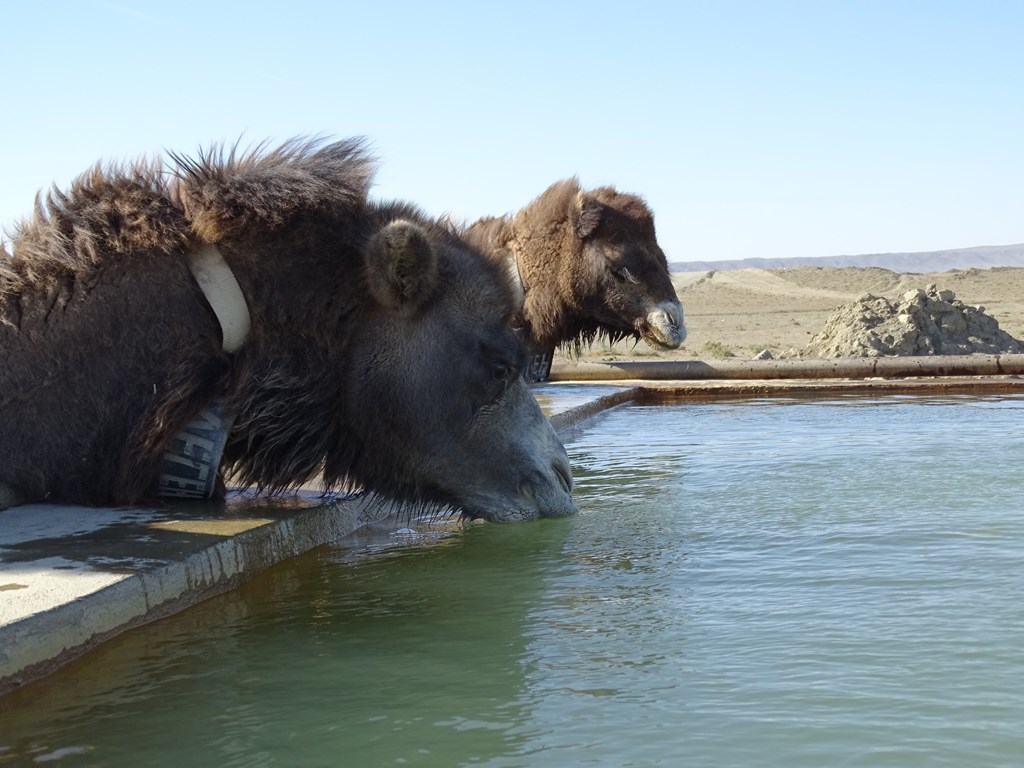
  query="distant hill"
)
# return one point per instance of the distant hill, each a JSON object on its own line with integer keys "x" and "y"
{"x": 981, "y": 257}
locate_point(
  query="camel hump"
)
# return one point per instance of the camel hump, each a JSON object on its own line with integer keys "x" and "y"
{"x": 225, "y": 192}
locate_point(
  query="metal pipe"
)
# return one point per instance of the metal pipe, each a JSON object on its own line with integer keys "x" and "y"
{"x": 794, "y": 368}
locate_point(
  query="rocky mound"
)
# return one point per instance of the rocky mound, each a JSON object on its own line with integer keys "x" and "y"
{"x": 920, "y": 322}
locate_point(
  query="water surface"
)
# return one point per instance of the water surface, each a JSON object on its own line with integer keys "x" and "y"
{"x": 759, "y": 583}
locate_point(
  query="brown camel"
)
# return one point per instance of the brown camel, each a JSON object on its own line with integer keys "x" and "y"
{"x": 588, "y": 264}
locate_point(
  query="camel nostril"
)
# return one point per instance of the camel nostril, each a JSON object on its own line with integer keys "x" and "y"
{"x": 564, "y": 474}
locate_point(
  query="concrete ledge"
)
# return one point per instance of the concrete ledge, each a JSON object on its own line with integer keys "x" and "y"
{"x": 669, "y": 390}
{"x": 569, "y": 406}
{"x": 71, "y": 577}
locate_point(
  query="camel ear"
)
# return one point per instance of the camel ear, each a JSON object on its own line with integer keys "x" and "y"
{"x": 401, "y": 267}
{"x": 586, "y": 215}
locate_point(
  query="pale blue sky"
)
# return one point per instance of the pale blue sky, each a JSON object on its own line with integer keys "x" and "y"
{"x": 771, "y": 129}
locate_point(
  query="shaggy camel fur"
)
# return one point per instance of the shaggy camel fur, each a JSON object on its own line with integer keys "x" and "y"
{"x": 589, "y": 265}
{"x": 378, "y": 356}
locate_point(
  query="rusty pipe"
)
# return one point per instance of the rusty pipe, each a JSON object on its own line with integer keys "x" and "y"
{"x": 794, "y": 368}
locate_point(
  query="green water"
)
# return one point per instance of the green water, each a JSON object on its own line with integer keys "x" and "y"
{"x": 748, "y": 584}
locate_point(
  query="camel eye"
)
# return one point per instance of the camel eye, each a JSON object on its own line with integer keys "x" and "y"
{"x": 623, "y": 275}
{"x": 500, "y": 364}
{"x": 500, "y": 370}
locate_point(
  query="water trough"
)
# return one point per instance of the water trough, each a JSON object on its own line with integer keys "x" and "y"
{"x": 72, "y": 578}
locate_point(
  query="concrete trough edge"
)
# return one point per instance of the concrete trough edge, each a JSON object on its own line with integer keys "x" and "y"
{"x": 792, "y": 368}
{"x": 44, "y": 641}
{"x": 669, "y": 390}
{"x": 571, "y": 418}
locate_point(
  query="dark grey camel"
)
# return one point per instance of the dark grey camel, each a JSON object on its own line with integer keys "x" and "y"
{"x": 379, "y": 354}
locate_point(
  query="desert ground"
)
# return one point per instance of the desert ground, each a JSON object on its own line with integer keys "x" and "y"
{"x": 739, "y": 313}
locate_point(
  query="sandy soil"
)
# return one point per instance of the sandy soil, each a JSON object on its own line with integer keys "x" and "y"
{"x": 738, "y": 313}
